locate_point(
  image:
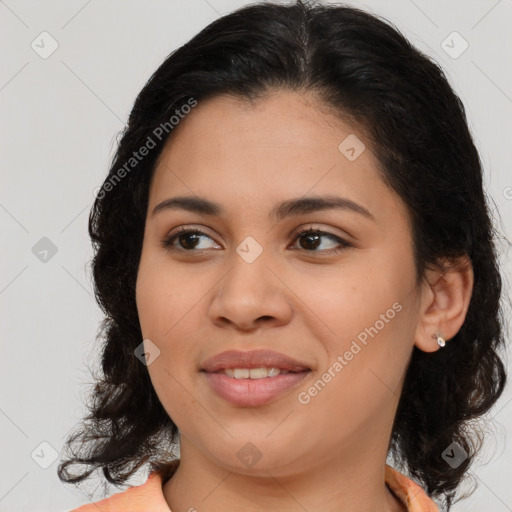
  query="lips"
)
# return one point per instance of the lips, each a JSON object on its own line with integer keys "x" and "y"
{"x": 249, "y": 392}
{"x": 252, "y": 359}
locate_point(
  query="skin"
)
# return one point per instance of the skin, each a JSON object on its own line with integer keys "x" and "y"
{"x": 297, "y": 298}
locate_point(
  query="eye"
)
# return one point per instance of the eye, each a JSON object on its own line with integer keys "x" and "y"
{"x": 313, "y": 238}
{"x": 189, "y": 238}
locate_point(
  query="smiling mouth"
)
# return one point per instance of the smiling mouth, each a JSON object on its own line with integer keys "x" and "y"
{"x": 241, "y": 361}
{"x": 254, "y": 373}
{"x": 253, "y": 378}
{"x": 253, "y": 387}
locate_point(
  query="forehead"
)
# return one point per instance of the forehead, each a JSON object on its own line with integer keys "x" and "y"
{"x": 279, "y": 116}
{"x": 282, "y": 145}
{"x": 258, "y": 137}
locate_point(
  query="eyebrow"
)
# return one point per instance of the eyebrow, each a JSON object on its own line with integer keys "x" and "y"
{"x": 289, "y": 208}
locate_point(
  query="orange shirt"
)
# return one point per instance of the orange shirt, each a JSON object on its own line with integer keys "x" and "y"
{"x": 149, "y": 496}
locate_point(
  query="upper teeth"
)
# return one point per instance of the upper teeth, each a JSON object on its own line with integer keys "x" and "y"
{"x": 253, "y": 373}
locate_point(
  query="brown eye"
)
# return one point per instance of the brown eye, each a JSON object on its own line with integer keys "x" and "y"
{"x": 312, "y": 238}
{"x": 188, "y": 240}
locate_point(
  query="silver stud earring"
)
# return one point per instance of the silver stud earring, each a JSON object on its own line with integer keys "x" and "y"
{"x": 440, "y": 341}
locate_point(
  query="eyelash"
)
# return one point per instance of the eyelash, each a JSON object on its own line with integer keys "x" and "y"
{"x": 167, "y": 243}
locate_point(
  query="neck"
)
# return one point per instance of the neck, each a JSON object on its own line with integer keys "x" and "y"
{"x": 349, "y": 486}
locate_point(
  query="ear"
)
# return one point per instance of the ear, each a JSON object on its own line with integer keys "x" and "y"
{"x": 445, "y": 298}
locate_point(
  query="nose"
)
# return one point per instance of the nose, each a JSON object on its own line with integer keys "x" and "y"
{"x": 250, "y": 296}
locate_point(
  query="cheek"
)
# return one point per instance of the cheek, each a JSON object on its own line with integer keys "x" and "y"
{"x": 165, "y": 314}
{"x": 160, "y": 310}
{"x": 366, "y": 361}
{"x": 166, "y": 305}
{"x": 164, "y": 295}
{"x": 366, "y": 319}
{"x": 341, "y": 303}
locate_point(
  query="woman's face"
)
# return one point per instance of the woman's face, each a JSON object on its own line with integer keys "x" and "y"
{"x": 248, "y": 282}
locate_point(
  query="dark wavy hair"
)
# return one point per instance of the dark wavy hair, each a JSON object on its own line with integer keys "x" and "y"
{"x": 361, "y": 68}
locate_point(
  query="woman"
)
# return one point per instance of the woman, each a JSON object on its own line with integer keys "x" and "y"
{"x": 296, "y": 260}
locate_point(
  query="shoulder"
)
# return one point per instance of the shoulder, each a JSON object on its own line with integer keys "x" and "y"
{"x": 148, "y": 496}
{"x": 409, "y": 492}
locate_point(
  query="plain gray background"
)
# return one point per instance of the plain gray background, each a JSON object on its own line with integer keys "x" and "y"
{"x": 60, "y": 118}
